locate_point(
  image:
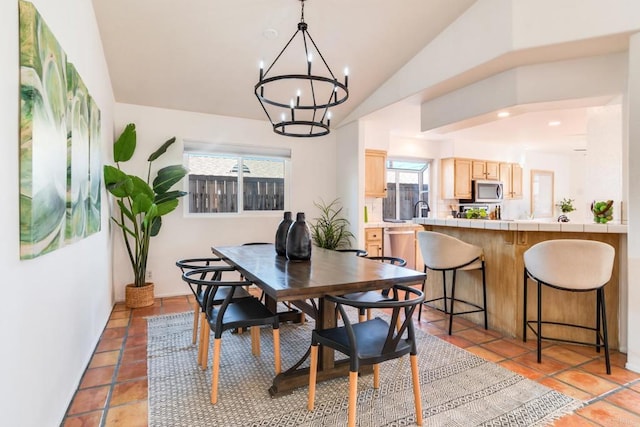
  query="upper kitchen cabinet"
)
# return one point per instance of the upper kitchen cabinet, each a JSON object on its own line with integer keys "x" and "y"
{"x": 455, "y": 178}
{"x": 481, "y": 169}
{"x": 511, "y": 176}
{"x": 375, "y": 173}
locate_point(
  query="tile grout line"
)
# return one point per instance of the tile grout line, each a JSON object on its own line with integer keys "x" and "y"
{"x": 116, "y": 370}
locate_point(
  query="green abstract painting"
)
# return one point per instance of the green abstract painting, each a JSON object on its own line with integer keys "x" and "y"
{"x": 59, "y": 144}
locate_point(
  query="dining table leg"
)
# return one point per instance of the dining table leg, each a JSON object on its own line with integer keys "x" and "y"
{"x": 328, "y": 367}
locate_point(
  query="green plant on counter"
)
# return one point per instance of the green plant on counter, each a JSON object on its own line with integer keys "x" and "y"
{"x": 476, "y": 213}
{"x": 566, "y": 205}
{"x": 141, "y": 203}
{"x": 330, "y": 230}
{"x": 602, "y": 211}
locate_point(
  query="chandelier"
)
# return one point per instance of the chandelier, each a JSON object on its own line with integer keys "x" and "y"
{"x": 297, "y": 102}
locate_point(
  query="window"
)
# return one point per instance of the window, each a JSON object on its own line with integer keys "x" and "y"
{"x": 407, "y": 182}
{"x": 234, "y": 183}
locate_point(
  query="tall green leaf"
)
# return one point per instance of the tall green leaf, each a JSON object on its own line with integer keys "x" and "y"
{"x": 167, "y": 177}
{"x": 160, "y": 151}
{"x": 125, "y": 145}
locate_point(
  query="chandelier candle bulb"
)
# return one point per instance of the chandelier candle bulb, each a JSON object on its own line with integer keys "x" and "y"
{"x": 261, "y": 70}
{"x": 346, "y": 76}
{"x": 309, "y": 59}
{"x": 298, "y": 98}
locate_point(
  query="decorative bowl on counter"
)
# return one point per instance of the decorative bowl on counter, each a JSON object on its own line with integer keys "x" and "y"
{"x": 602, "y": 211}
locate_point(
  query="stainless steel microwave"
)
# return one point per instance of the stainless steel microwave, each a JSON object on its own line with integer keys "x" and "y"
{"x": 483, "y": 191}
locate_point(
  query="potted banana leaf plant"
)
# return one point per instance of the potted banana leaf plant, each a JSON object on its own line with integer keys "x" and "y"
{"x": 142, "y": 203}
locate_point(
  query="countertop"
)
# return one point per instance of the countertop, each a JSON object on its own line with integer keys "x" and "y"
{"x": 525, "y": 225}
{"x": 384, "y": 224}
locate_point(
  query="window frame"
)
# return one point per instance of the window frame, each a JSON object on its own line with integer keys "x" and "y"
{"x": 241, "y": 153}
{"x": 419, "y": 172}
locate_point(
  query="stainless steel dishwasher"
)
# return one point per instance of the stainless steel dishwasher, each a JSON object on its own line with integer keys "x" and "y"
{"x": 400, "y": 242}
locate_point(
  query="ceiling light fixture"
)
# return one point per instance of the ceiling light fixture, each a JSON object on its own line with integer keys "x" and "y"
{"x": 297, "y": 104}
{"x": 554, "y": 123}
{"x": 503, "y": 114}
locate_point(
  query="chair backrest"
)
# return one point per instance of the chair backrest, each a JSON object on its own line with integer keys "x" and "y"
{"x": 212, "y": 285}
{"x": 442, "y": 252}
{"x": 407, "y": 304}
{"x": 571, "y": 263}
{"x": 358, "y": 252}
{"x": 400, "y": 262}
{"x": 193, "y": 263}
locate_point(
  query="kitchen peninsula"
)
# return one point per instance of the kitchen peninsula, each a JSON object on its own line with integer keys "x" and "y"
{"x": 504, "y": 243}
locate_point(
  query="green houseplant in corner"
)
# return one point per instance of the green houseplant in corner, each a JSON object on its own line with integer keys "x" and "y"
{"x": 142, "y": 204}
{"x": 330, "y": 230}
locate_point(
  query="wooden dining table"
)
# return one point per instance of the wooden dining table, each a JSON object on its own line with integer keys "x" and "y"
{"x": 305, "y": 284}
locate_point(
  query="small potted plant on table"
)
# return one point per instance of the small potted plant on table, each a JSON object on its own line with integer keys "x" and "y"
{"x": 330, "y": 230}
{"x": 141, "y": 203}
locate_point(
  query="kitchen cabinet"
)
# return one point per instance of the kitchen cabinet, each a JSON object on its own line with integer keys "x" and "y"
{"x": 375, "y": 173}
{"x": 373, "y": 241}
{"x": 455, "y": 179}
{"x": 481, "y": 169}
{"x": 511, "y": 176}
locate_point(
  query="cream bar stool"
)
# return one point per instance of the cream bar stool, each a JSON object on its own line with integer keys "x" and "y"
{"x": 569, "y": 265}
{"x": 441, "y": 252}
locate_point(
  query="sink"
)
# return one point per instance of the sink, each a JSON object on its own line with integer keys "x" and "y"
{"x": 394, "y": 221}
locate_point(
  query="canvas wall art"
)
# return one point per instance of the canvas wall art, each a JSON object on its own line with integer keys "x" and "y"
{"x": 59, "y": 144}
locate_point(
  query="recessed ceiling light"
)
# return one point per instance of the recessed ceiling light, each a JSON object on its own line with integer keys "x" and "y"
{"x": 270, "y": 34}
{"x": 503, "y": 114}
{"x": 554, "y": 123}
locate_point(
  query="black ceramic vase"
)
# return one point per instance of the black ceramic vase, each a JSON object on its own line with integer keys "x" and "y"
{"x": 281, "y": 234}
{"x": 299, "y": 240}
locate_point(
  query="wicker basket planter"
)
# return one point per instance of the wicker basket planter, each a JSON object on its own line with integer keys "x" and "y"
{"x": 141, "y": 296}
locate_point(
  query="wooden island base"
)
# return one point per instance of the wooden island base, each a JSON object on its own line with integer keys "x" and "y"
{"x": 504, "y": 272}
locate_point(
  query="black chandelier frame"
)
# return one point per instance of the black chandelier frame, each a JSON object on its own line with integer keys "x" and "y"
{"x": 318, "y": 124}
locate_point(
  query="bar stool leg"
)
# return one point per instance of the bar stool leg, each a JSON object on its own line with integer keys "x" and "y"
{"x": 453, "y": 295}
{"x": 424, "y": 287}
{"x": 524, "y": 309}
{"x": 604, "y": 330}
{"x": 598, "y": 324}
{"x": 444, "y": 291}
{"x": 539, "y": 321}
{"x": 484, "y": 297}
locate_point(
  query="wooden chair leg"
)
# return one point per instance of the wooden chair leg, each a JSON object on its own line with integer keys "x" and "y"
{"x": 313, "y": 370}
{"x": 205, "y": 346}
{"x": 376, "y": 375}
{"x": 196, "y": 315}
{"x": 368, "y": 314}
{"x": 415, "y": 377}
{"x": 215, "y": 371}
{"x": 204, "y": 329}
{"x": 276, "y": 350}
{"x": 255, "y": 340}
{"x": 353, "y": 398}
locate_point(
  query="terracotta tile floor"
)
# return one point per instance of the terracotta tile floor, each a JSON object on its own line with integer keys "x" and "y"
{"x": 113, "y": 390}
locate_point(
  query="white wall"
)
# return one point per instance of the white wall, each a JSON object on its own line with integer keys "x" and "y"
{"x": 313, "y": 178}
{"x": 52, "y": 308}
{"x": 633, "y": 143}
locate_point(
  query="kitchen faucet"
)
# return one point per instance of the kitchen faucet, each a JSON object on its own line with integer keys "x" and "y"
{"x": 415, "y": 208}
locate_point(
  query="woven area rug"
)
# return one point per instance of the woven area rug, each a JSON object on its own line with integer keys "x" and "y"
{"x": 458, "y": 388}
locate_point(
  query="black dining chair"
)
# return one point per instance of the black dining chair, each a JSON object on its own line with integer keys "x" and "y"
{"x": 374, "y": 296}
{"x": 358, "y": 252}
{"x": 233, "y": 313}
{"x": 371, "y": 342}
{"x": 198, "y": 291}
